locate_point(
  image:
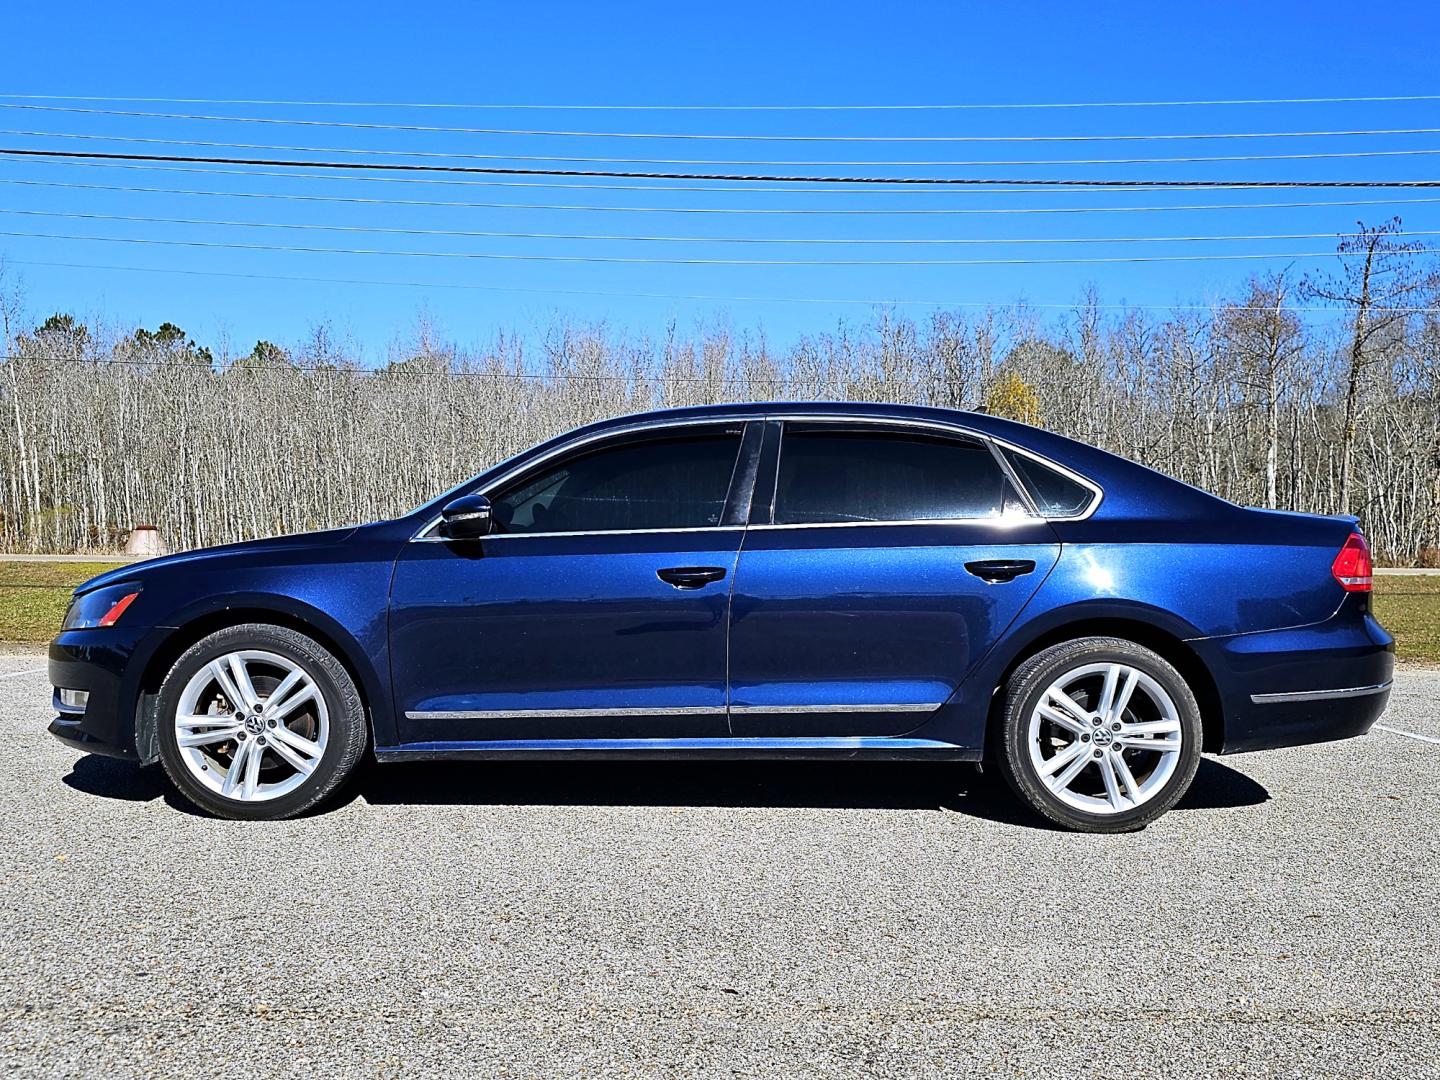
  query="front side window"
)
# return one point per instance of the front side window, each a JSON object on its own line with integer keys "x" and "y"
{"x": 852, "y": 475}
{"x": 676, "y": 482}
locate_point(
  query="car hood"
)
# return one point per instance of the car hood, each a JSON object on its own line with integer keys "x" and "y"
{"x": 291, "y": 542}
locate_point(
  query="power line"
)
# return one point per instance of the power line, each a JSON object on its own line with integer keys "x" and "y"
{"x": 611, "y": 293}
{"x": 917, "y": 181}
{"x": 581, "y": 159}
{"x": 434, "y": 181}
{"x": 826, "y": 188}
{"x": 734, "y": 108}
{"x": 498, "y": 235}
{"x": 711, "y": 137}
{"x": 926, "y": 211}
{"x": 647, "y": 260}
{"x": 464, "y": 156}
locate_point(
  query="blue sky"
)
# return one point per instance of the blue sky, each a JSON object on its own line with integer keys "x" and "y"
{"x": 671, "y": 54}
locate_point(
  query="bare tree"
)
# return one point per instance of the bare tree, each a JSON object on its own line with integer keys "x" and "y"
{"x": 1264, "y": 340}
{"x": 100, "y": 431}
{"x": 1382, "y": 286}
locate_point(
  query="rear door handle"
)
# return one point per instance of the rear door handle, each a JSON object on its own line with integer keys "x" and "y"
{"x": 690, "y": 577}
{"x": 996, "y": 570}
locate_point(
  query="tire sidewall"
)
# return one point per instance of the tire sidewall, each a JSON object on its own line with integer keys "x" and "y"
{"x": 1027, "y": 687}
{"x": 347, "y": 734}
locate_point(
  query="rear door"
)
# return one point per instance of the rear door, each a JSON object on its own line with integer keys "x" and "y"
{"x": 881, "y": 563}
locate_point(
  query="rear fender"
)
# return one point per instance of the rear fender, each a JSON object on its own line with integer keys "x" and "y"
{"x": 964, "y": 719}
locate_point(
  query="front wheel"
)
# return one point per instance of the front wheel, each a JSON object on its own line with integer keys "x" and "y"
{"x": 259, "y": 722}
{"x": 1099, "y": 734}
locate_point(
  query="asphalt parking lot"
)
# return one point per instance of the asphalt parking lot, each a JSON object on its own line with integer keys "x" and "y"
{"x": 716, "y": 920}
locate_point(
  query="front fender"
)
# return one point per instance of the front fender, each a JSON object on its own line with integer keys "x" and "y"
{"x": 361, "y": 647}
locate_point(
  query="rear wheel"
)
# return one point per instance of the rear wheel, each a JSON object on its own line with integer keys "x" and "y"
{"x": 1099, "y": 734}
{"x": 259, "y": 722}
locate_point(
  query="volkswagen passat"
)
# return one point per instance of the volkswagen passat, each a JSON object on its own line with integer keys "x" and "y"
{"x": 763, "y": 581}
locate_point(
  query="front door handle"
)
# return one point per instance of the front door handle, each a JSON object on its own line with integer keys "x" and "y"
{"x": 690, "y": 577}
{"x": 997, "y": 570}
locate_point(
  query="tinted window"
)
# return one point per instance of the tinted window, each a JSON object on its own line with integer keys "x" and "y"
{"x": 672, "y": 483}
{"x": 1055, "y": 494}
{"x": 832, "y": 476}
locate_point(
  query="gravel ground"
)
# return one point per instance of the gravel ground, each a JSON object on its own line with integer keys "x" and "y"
{"x": 714, "y": 920}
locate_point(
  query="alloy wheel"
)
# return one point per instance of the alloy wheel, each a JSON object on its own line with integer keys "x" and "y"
{"x": 1105, "y": 738}
{"x": 252, "y": 725}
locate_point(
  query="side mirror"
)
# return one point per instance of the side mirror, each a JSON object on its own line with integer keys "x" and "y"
{"x": 466, "y": 518}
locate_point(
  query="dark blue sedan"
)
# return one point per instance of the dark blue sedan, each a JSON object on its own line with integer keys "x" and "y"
{"x": 789, "y": 580}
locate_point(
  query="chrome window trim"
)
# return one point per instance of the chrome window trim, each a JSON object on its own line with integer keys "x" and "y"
{"x": 999, "y": 520}
{"x": 1319, "y": 695}
{"x": 424, "y": 535}
{"x": 591, "y": 532}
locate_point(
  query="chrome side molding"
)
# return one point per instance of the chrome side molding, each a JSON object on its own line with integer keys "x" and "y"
{"x": 1320, "y": 695}
{"x": 842, "y": 743}
{"x": 751, "y": 710}
{"x": 523, "y": 714}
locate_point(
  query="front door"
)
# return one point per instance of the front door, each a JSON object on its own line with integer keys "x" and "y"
{"x": 597, "y": 610}
{"x": 887, "y": 563}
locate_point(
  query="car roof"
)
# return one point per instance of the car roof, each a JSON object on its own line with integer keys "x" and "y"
{"x": 818, "y": 409}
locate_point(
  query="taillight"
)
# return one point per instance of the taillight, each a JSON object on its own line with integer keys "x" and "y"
{"x": 1352, "y": 567}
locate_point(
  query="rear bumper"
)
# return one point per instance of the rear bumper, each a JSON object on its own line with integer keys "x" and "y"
{"x": 1305, "y": 685}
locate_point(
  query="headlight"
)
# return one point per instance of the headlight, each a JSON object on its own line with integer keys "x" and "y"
{"x": 100, "y": 608}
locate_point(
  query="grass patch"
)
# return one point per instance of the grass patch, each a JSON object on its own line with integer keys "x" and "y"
{"x": 1409, "y": 607}
{"x": 33, "y": 596}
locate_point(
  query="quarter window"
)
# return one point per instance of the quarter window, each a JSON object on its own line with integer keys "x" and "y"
{"x": 665, "y": 483}
{"x": 1055, "y": 494}
{"x": 842, "y": 475}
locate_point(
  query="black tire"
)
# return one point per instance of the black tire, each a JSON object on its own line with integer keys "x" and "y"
{"x": 1023, "y": 694}
{"x": 348, "y": 730}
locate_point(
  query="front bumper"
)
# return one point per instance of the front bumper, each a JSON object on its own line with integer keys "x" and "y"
{"x": 1303, "y": 685}
{"x": 107, "y": 664}
{"x": 70, "y": 730}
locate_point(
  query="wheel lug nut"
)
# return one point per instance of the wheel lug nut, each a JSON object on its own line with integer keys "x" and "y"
{"x": 240, "y": 735}
{"x": 1085, "y": 737}
{"x": 260, "y": 741}
{"x": 1095, "y": 720}
{"x": 270, "y": 722}
{"x": 1099, "y": 752}
{"x": 1115, "y": 726}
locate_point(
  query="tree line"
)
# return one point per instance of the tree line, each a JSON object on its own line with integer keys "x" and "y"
{"x": 1318, "y": 393}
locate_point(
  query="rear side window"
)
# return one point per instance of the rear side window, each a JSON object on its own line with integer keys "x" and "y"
{"x": 1055, "y": 494}
{"x": 829, "y": 476}
{"x": 667, "y": 483}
